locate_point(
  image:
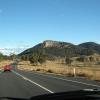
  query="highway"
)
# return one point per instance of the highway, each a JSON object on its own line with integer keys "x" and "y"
{"x": 23, "y": 84}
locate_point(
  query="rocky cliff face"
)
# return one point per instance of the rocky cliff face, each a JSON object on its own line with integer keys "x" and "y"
{"x": 50, "y": 43}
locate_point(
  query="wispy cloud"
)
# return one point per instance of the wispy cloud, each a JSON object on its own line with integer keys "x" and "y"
{"x": 7, "y": 50}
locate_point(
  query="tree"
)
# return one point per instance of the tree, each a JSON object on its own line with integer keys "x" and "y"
{"x": 24, "y": 57}
{"x": 1, "y": 56}
{"x": 13, "y": 56}
{"x": 37, "y": 57}
{"x": 91, "y": 59}
{"x": 42, "y": 59}
{"x": 34, "y": 58}
{"x": 68, "y": 60}
{"x": 83, "y": 59}
{"x": 80, "y": 59}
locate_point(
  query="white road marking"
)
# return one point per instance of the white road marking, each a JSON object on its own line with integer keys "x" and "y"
{"x": 69, "y": 80}
{"x": 25, "y": 78}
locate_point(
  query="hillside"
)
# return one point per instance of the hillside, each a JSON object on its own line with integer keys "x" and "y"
{"x": 94, "y": 47}
{"x": 61, "y": 49}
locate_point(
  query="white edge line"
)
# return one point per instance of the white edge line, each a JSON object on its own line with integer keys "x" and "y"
{"x": 25, "y": 78}
{"x": 69, "y": 80}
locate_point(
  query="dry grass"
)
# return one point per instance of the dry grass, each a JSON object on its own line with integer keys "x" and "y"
{"x": 5, "y": 62}
{"x": 61, "y": 69}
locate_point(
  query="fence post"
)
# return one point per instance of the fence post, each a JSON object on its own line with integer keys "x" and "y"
{"x": 74, "y": 72}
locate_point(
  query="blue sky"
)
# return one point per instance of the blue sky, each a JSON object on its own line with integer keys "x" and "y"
{"x": 24, "y": 23}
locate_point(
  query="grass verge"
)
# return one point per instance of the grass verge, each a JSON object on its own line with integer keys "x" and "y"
{"x": 92, "y": 73}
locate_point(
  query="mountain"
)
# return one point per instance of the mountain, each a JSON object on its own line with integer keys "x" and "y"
{"x": 91, "y": 46}
{"x": 61, "y": 49}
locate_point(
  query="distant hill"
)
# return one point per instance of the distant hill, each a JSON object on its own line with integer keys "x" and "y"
{"x": 94, "y": 47}
{"x": 62, "y": 49}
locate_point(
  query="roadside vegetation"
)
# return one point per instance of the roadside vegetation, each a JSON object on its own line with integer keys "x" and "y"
{"x": 37, "y": 58}
{"x": 63, "y": 69}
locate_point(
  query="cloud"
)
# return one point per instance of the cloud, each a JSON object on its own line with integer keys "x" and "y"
{"x": 8, "y": 51}
{"x": 18, "y": 48}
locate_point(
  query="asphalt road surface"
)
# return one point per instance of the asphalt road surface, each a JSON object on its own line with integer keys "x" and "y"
{"x": 22, "y": 84}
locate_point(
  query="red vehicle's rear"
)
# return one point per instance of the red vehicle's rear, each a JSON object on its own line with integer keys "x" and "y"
{"x": 7, "y": 68}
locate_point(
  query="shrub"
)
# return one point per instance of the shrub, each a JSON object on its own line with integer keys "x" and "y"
{"x": 37, "y": 69}
{"x": 37, "y": 58}
{"x": 68, "y": 60}
{"x": 50, "y": 71}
